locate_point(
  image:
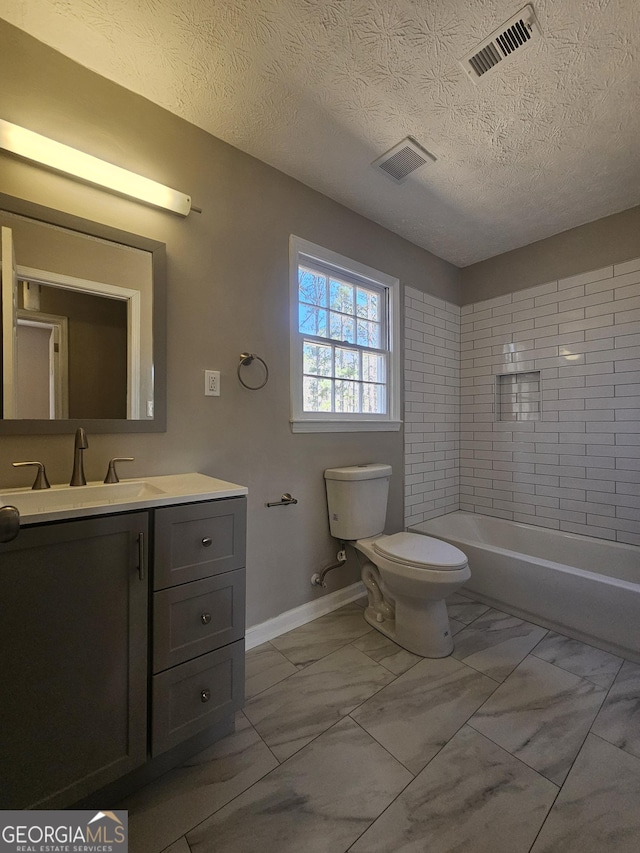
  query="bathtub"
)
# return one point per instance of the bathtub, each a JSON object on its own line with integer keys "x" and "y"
{"x": 582, "y": 587}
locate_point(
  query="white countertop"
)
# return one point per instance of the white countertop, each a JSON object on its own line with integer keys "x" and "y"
{"x": 62, "y": 501}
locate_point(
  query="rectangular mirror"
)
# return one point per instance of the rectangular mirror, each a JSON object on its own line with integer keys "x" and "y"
{"x": 83, "y": 324}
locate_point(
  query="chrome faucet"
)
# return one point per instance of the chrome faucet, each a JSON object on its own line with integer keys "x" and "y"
{"x": 80, "y": 444}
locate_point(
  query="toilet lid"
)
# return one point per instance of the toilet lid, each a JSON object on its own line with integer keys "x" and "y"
{"x": 422, "y": 551}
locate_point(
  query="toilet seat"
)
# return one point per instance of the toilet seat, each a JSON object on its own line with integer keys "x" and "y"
{"x": 422, "y": 552}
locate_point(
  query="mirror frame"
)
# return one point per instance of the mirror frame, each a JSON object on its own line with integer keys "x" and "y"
{"x": 158, "y": 261}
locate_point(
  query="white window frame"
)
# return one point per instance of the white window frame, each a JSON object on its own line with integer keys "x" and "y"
{"x": 301, "y": 250}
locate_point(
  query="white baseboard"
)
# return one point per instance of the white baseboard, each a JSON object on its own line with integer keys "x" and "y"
{"x": 258, "y": 634}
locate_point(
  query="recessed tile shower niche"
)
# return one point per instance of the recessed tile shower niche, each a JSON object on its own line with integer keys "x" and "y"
{"x": 518, "y": 396}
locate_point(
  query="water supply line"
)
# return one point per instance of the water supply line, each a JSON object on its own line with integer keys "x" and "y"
{"x": 318, "y": 579}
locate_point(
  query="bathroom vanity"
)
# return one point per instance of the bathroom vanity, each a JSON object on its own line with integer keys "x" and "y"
{"x": 122, "y": 621}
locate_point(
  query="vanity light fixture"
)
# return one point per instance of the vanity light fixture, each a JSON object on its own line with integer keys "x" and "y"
{"x": 62, "y": 158}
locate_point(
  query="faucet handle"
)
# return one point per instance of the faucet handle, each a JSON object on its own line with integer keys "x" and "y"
{"x": 41, "y": 481}
{"x": 112, "y": 475}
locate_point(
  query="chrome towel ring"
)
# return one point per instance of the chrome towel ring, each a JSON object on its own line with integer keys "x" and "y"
{"x": 245, "y": 359}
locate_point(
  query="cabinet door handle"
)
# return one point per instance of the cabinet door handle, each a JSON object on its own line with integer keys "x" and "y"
{"x": 205, "y": 618}
{"x": 205, "y": 695}
{"x": 141, "y": 555}
{"x": 207, "y": 541}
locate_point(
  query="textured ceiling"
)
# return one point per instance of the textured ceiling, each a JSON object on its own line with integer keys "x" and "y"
{"x": 320, "y": 88}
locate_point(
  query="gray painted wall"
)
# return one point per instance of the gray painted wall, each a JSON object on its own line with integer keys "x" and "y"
{"x": 598, "y": 244}
{"x": 227, "y": 292}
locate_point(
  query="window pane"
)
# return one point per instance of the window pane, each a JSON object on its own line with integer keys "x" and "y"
{"x": 374, "y": 399}
{"x": 317, "y": 394}
{"x": 347, "y": 363}
{"x": 312, "y": 320}
{"x": 347, "y": 396}
{"x": 368, "y": 303}
{"x": 342, "y": 328}
{"x": 312, "y": 287}
{"x": 345, "y": 331}
{"x": 317, "y": 359}
{"x": 374, "y": 367}
{"x": 341, "y": 296}
{"x": 368, "y": 334}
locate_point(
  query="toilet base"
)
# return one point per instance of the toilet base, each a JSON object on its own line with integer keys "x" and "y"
{"x": 423, "y": 630}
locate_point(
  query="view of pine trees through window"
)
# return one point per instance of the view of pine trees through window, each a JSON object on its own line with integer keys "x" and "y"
{"x": 345, "y": 343}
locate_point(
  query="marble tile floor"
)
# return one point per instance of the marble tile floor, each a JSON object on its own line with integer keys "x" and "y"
{"x": 522, "y": 740}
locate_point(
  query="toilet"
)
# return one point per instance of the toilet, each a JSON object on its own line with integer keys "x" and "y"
{"x": 407, "y": 576}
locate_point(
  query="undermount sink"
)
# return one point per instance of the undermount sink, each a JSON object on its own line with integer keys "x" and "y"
{"x": 96, "y": 498}
{"x": 28, "y": 501}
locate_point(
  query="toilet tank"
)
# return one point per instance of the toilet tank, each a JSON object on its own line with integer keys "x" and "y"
{"x": 357, "y": 500}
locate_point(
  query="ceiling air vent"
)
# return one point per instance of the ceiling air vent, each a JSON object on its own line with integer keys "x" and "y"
{"x": 403, "y": 159}
{"x": 507, "y": 40}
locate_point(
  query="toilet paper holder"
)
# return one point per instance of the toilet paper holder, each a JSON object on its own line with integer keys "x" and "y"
{"x": 285, "y": 500}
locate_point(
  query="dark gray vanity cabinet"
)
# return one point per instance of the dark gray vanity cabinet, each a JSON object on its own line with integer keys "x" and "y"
{"x": 198, "y": 618}
{"x": 77, "y": 669}
{"x": 73, "y": 658}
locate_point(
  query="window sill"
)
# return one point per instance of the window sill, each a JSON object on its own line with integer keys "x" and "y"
{"x": 344, "y": 426}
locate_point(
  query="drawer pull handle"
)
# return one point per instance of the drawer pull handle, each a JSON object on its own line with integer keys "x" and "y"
{"x": 207, "y": 541}
{"x": 205, "y": 695}
{"x": 205, "y": 618}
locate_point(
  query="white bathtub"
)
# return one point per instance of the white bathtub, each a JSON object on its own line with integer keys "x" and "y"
{"x": 583, "y": 587}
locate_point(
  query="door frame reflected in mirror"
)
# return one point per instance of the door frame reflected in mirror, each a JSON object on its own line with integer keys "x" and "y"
{"x": 157, "y": 252}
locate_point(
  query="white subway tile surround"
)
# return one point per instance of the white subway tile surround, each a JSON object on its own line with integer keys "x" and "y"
{"x": 576, "y": 469}
{"x": 432, "y": 406}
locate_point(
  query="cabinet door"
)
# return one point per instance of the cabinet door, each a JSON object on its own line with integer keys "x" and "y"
{"x": 198, "y": 540}
{"x": 73, "y": 659}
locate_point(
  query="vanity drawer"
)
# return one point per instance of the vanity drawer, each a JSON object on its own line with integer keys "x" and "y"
{"x": 197, "y": 617}
{"x": 195, "y": 695}
{"x": 195, "y": 541}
